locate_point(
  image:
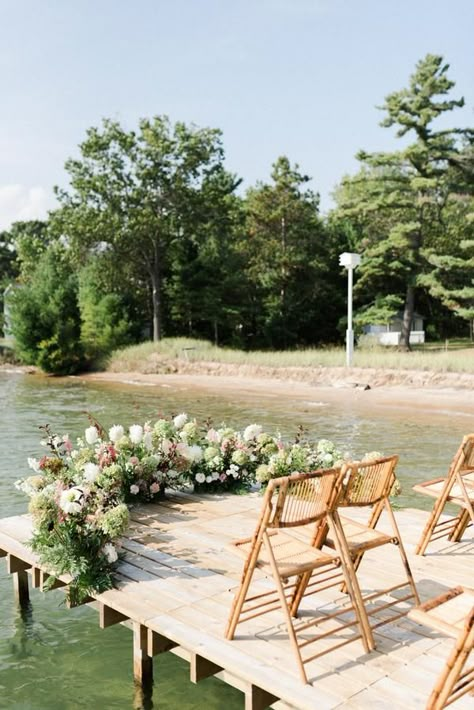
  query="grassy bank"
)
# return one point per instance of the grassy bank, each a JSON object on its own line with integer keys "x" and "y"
{"x": 168, "y": 354}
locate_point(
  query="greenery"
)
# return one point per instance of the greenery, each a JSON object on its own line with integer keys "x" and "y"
{"x": 79, "y": 495}
{"x": 407, "y": 209}
{"x": 152, "y": 239}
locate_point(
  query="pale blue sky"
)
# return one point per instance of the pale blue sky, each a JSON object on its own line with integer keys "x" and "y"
{"x": 294, "y": 77}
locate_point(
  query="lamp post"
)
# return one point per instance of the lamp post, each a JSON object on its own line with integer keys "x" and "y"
{"x": 350, "y": 261}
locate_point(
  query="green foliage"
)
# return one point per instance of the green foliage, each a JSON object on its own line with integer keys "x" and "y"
{"x": 66, "y": 550}
{"x": 292, "y": 295}
{"x": 106, "y": 315}
{"x": 45, "y": 316}
{"x": 398, "y": 202}
{"x": 143, "y": 194}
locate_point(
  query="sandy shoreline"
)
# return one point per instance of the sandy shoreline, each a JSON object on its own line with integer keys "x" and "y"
{"x": 428, "y": 392}
{"x": 439, "y": 400}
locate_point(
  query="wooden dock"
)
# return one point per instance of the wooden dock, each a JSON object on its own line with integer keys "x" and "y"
{"x": 176, "y": 583}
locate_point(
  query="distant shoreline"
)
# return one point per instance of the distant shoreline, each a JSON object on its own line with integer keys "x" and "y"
{"x": 426, "y": 391}
{"x": 436, "y": 399}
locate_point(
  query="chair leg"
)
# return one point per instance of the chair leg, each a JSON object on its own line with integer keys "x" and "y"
{"x": 300, "y": 588}
{"x": 351, "y": 582}
{"x": 403, "y": 554}
{"x": 450, "y": 674}
{"x": 241, "y": 593}
{"x": 284, "y": 606}
{"x": 237, "y": 604}
{"x": 377, "y": 511}
{"x": 430, "y": 525}
{"x": 461, "y": 525}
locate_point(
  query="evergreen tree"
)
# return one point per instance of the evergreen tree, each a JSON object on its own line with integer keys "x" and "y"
{"x": 291, "y": 295}
{"x": 45, "y": 315}
{"x": 398, "y": 200}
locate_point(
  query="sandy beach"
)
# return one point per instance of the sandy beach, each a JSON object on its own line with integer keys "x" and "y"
{"x": 442, "y": 398}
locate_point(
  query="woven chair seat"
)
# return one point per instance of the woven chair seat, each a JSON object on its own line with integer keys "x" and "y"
{"x": 292, "y": 556}
{"x": 449, "y": 616}
{"x": 435, "y": 487}
{"x": 360, "y": 537}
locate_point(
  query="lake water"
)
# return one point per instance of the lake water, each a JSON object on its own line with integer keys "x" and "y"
{"x": 52, "y": 658}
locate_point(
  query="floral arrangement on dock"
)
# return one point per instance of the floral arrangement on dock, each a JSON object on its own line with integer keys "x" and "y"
{"x": 80, "y": 494}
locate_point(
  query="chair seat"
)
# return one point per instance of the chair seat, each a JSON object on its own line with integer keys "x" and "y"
{"x": 360, "y": 537}
{"x": 292, "y": 556}
{"x": 446, "y": 613}
{"x": 434, "y": 489}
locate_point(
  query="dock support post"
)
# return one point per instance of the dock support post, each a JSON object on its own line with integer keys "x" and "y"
{"x": 142, "y": 662}
{"x": 17, "y": 568}
{"x": 20, "y": 587}
{"x": 258, "y": 699}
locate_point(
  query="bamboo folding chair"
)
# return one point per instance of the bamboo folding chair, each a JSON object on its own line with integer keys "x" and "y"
{"x": 368, "y": 484}
{"x": 453, "y": 614}
{"x": 290, "y": 502}
{"x": 456, "y": 488}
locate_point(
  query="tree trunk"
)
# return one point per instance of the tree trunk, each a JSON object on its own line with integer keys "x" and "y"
{"x": 156, "y": 302}
{"x": 407, "y": 318}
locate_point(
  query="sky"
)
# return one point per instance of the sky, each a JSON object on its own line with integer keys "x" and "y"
{"x": 301, "y": 78}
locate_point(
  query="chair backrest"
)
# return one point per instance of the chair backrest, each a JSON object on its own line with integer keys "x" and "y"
{"x": 367, "y": 482}
{"x": 464, "y": 457}
{"x": 301, "y": 498}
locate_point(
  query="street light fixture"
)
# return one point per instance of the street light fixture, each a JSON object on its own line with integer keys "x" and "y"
{"x": 350, "y": 261}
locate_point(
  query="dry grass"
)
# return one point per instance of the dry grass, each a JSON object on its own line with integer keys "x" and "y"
{"x": 166, "y": 355}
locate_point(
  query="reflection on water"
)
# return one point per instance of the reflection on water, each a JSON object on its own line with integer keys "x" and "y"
{"x": 57, "y": 659}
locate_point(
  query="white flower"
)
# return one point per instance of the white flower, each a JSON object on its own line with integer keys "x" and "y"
{"x": 208, "y": 479}
{"x": 172, "y": 473}
{"x": 91, "y": 435}
{"x": 72, "y": 500}
{"x": 109, "y": 552}
{"x": 215, "y": 475}
{"x": 34, "y": 464}
{"x": 180, "y": 420}
{"x": 200, "y": 477}
{"x": 252, "y": 431}
{"x": 136, "y": 433}
{"x": 91, "y": 471}
{"x": 134, "y": 489}
{"x": 116, "y": 432}
{"x": 147, "y": 442}
{"x": 191, "y": 453}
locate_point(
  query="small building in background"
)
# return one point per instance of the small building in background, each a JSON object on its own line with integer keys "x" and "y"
{"x": 391, "y": 332}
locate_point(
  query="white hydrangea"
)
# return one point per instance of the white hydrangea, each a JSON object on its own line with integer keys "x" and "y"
{"x": 109, "y": 552}
{"x": 147, "y": 441}
{"x": 136, "y": 433}
{"x": 180, "y": 420}
{"x": 91, "y": 435}
{"x": 252, "y": 431}
{"x": 91, "y": 471}
{"x": 194, "y": 453}
{"x": 116, "y": 432}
